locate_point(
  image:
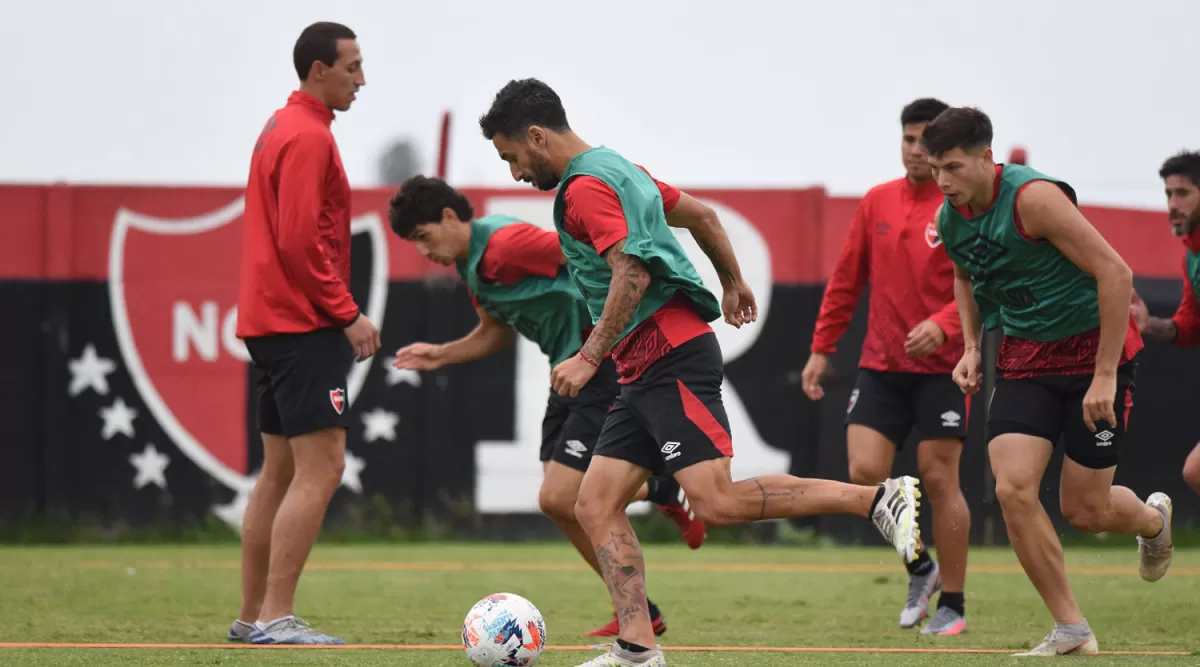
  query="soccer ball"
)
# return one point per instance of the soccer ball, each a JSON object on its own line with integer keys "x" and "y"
{"x": 504, "y": 630}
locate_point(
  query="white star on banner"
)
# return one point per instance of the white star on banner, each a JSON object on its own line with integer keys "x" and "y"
{"x": 380, "y": 423}
{"x": 397, "y": 375}
{"x": 118, "y": 418}
{"x": 150, "y": 465}
{"x": 89, "y": 370}
{"x": 354, "y": 466}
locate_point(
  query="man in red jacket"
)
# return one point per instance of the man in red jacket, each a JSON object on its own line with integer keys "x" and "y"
{"x": 904, "y": 384}
{"x": 1181, "y": 179}
{"x": 302, "y": 328}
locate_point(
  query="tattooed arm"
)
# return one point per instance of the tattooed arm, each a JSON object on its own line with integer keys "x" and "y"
{"x": 706, "y": 228}
{"x": 630, "y": 278}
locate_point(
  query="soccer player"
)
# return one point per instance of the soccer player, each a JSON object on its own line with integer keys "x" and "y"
{"x": 517, "y": 278}
{"x": 913, "y": 343}
{"x": 651, "y": 310}
{"x": 302, "y": 328}
{"x": 1066, "y": 365}
{"x": 1181, "y": 176}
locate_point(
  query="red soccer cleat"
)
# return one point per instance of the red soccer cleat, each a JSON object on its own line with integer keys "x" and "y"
{"x": 681, "y": 513}
{"x": 614, "y": 627}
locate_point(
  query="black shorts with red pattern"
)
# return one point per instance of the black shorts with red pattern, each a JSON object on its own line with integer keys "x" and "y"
{"x": 671, "y": 417}
{"x": 1040, "y": 392}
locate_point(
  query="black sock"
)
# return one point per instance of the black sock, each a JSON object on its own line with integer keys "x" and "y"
{"x": 632, "y": 648}
{"x": 953, "y": 600}
{"x": 874, "y": 503}
{"x": 663, "y": 490}
{"x": 921, "y": 566}
{"x": 654, "y": 612}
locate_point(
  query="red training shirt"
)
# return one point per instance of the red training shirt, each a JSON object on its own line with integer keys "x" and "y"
{"x": 295, "y": 271}
{"x": 518, "y": 251}
{"x": 893, "y": 245}
{"x": 1187, "y": 316}
{"x": 594, "y": 216}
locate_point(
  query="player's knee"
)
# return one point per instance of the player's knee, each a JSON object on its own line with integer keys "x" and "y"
{"x": 867, "y": 473}
{"x": 1191, "y": 472}
{"x": 717, "y": 510}
{"x": 1084, "y": 516}
{"x": 1016, "y": 497}
{"x": 939, "y": 477}
{"x": 557, "y": 504}
{"x": 591, "y": 510}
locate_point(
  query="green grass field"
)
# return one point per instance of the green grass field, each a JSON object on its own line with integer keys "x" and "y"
{"x": 719, "y": 596}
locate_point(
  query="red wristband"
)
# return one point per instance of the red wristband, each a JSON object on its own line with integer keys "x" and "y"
{"x": 584, "y": 355}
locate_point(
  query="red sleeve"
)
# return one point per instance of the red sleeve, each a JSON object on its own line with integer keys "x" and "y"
{"x": 594, "y": 214}
{"x": 1187, "y": 316}
{"x": 518, "y": 250}
{"x": 948, "y": 320}
{"x": 302, "y": 251}
{"x": 846, "y": 285}
{"x": 670, "y": 193}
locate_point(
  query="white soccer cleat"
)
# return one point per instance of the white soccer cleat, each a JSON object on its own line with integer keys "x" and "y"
{"x": 618, "y": 657}
{"x": 1155, "y": 553}
{"x": 896, "y": 516}
{"x": 1064, "y": 642}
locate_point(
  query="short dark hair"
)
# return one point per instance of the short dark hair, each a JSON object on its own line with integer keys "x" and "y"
{"x": 967, "y": 128}
{"x": 923, "y": 110}
{"x": 521, "y": 104}
{"x": 318, "y": 42}
{"x": 1184, "y": 163}
{"x": 420, "y": 201}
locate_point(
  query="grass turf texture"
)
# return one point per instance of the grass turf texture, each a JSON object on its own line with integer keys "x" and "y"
{"x": 718, "y": 596}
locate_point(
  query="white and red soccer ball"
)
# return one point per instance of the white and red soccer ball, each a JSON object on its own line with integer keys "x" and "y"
{"x": 504, "y": 630}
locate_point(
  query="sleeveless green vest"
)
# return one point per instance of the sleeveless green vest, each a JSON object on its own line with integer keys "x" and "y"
{"x": 1193, "y": 272}
{"x": 649, "y": 239}
{"x": 1040, "y": 294}
{"x": 548, "y": 311}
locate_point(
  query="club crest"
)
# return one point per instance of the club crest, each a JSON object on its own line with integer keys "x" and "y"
{"x": 173, "y": 288}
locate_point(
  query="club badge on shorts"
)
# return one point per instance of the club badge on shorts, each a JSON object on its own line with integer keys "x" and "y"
{"x": 338, "y": 398}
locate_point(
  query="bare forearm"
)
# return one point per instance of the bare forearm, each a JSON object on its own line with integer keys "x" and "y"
{"x": 968, "y": 313}
{"x": 1113, "y": 293}
{"x": 713, "y": 240}
{"x": 1161, "y": 329}
{"x": 630, "y": 278}
{"x": 483, "y": 341}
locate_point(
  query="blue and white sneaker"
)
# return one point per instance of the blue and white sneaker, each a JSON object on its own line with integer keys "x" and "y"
{"x": 240, "y": 631}
{"x": 290, "y": 630}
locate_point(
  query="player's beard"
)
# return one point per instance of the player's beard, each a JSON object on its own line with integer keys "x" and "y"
{"x": 544, "y": 178}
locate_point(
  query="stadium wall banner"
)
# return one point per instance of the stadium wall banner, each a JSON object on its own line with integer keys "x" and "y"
{"x": 130, "y": 397}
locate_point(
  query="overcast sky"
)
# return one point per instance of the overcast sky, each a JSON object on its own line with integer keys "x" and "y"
{"x": 737, "y": 94}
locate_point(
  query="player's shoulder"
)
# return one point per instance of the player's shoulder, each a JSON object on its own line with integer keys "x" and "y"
{"x": 886, "y": 189}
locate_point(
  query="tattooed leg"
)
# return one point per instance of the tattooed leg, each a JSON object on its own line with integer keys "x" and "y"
{"x": 624, "y": 571}
{"x": 607, "y": 486}
{"x": 722, "y": 502}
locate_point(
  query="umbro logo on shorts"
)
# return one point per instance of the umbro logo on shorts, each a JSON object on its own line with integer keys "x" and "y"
{"x": 576, "y": 448}
{"x": 1104, "y": 438}
{"x": 950, "y": 418}
{"x": 669, "y": 448}
{"x": 338, "y": 398}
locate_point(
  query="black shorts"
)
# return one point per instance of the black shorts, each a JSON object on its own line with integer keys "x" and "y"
{"x": 301, "y": 381}
{"x": 896, "y": 404}
{"x": 1052, "y": 406}
{"x": 572, "y": 426}
{"x": 672, "y": 417}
